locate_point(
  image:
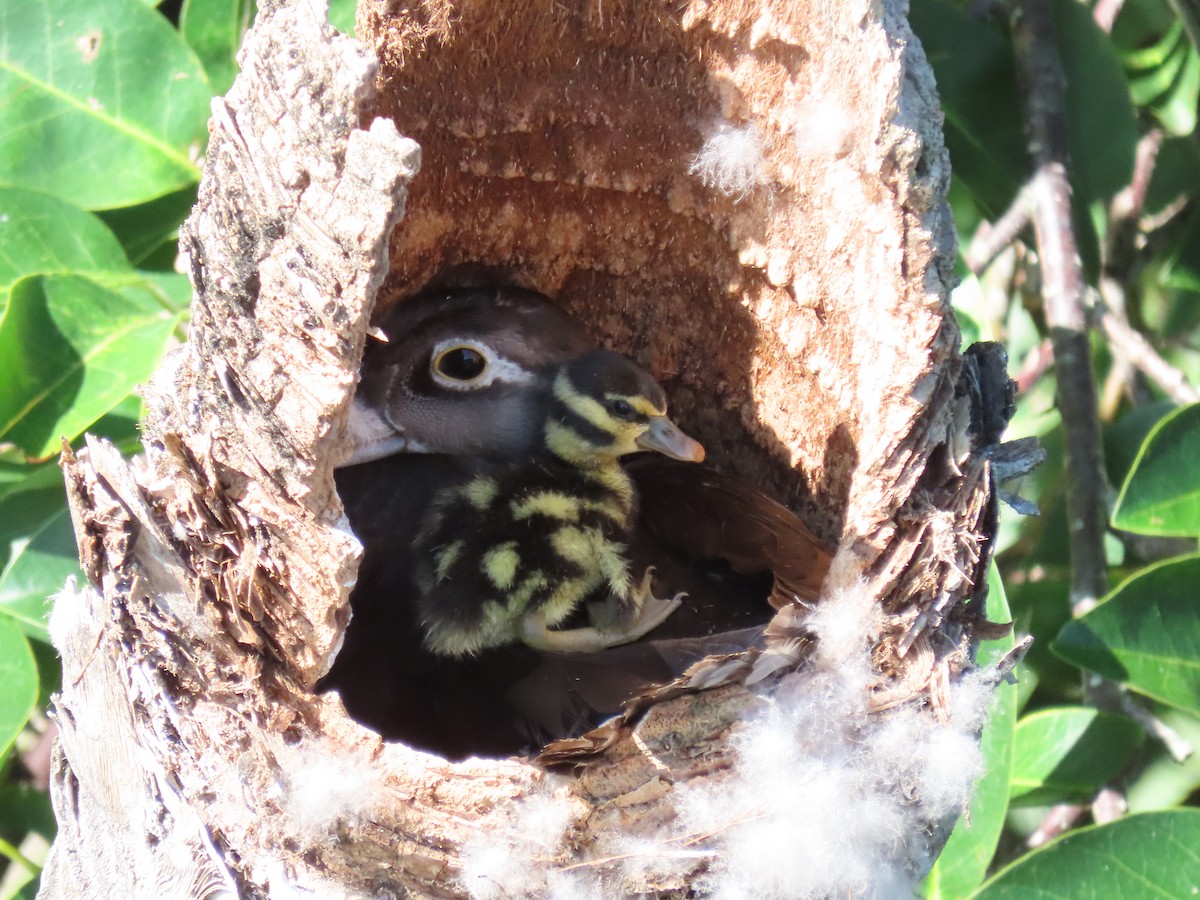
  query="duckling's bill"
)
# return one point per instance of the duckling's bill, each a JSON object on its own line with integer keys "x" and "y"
{"x": 665, "y": 437}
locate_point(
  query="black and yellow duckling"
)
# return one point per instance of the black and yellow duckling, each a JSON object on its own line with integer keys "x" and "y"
{"x": 467, "y": 372}
{"x": 461, "y": 391}
{"x": 510, "y": 555}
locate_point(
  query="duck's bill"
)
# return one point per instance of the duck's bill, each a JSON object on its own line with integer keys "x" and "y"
{"x": 372, "y": 437}
{"x": 665, "y": 437}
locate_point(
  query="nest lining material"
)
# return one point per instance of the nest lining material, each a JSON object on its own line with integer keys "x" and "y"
{"x": 805, "y": 290}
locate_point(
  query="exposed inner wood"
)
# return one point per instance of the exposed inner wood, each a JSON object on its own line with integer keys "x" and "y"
{"x": 761, "y": 310}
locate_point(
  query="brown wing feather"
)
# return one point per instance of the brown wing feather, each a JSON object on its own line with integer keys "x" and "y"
{"x": 711, "y": 515}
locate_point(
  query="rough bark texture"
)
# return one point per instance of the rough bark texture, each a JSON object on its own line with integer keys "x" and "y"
{"x": 791, "y": 294}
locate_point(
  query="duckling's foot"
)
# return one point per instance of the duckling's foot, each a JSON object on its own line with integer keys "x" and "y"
{"x": 615, "y": 622}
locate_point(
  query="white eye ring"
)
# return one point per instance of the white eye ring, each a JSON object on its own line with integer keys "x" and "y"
{"x": 459, "y": 365}
{"x": 496, "y": 367}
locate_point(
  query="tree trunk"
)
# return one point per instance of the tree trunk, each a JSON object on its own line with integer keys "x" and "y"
{"x": 750, "y": 200}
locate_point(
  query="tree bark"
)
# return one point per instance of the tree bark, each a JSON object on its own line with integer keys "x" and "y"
{"x": 750, "y": 201}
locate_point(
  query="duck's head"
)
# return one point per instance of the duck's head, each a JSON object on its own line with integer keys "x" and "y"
{"x": 463, "y": 371}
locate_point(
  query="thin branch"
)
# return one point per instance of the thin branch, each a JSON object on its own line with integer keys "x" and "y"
{"x": 1108, "y": 805}
{"x": 1106, "y": 12}
{"x": 991, "y": 239}
{"x": 1034, "y": 366}
{"x": 1177, "y": 745}
{"x": 1154, "y": 221}
{"x": 1064, "y": 292}
{"x": 1118, "y": 384}
{"x": 1060, "y": 818}
{"x": 1131, "y": 346}
{"x": 1129, "y": 202}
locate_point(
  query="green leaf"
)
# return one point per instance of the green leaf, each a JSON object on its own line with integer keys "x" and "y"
{"x": 49, "y": 667}
{"x": 18, "y": 683}
{"x": 1123, "y": 439}
{"x": 341, "y": 15}
{"x": 1066, "y": 754}
{"x": 173, "y": 290}
{"x": 1102, "y": 131}
{"x": 1183, "y": 264}
{"x": 17, "y": 477}
{"x": 1161, "y": 496}
{"x": 40, "y": 235}
{"x": 969, "y": 327}
{"x": 1148, "y": 855}
{"x": 1041, "y": 607}
{"x": 37, "y": 554}
{"x": 1146, "y": 634}
{"x": 1165, "y": 77}
{"x": 142, "y": 229}
{"x": 105, "y": 105}
{"x": 27, "y": 891}
{"x": 70, "y": 350}
{"x": 1165, "y": 783}
{"x": 24, "y": 809}
{"x": 120, "y": 425}
{"x": 1153, "y": 68}
{"x": 973, "y": 64}
{"x": 964, "y": 860}
{"x": 215, "y": 28}
{"x": 1140, "y": 22}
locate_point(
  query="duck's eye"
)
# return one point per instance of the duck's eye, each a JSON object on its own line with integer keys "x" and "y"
{"x": 460, "y": 363}
{"x": 622, "y": 409}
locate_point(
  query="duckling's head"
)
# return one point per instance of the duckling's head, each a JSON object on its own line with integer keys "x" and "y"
{"x": 607, "y": 406}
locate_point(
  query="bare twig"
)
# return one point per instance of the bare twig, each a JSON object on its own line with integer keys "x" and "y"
{"x": 992, "y": 238}
{"x": 1177, "y": 745}
{"x": 1034, "y": 366}
{"x": 997, "y": 286}
{"x": 1105, "y": 13}
{"x": 1130, "y": 347}
{"x": 1129, "y": 343}
{"x": 1108, "y": 805}
{"x": 1154, "y": 221}
{"x": 1064, "y": 298}
{"x": 1118, "y": 384}
{"x": 1129, "y": 202}
{"x": 1060, "y": 818}
{"x": 1040, "y": 73}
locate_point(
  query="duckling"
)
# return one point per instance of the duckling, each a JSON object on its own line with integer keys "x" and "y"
{"x": 459, "y": 389}
{"x": 467, "y": 372}
{"x": 510, "y": 555}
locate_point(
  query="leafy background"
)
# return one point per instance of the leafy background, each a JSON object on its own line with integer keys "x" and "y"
{"x": 104, "y": 128}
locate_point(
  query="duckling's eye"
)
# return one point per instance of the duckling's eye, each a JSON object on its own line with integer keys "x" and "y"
{"x": 622, "y": 409}
{"x": 460, "y": 363}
